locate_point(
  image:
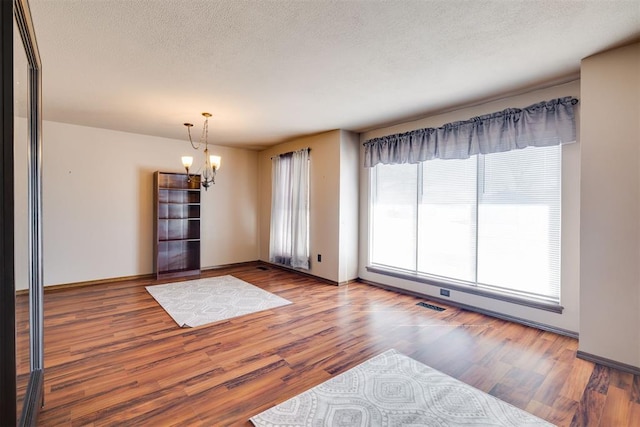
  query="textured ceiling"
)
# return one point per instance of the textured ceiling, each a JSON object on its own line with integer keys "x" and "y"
{"x": 276, "y": 69}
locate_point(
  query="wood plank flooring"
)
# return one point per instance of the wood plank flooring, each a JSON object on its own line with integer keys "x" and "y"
{"x": 114, "y": 357}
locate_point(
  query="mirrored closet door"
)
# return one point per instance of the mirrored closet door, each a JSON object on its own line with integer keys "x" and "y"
{"x": 21, "y": 271}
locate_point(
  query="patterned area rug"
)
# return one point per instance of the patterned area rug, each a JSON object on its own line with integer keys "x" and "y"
{"x": 202, "y": 301}
{"x": 392, "y": 389}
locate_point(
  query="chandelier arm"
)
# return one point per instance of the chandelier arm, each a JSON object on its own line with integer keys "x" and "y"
{"x": 190, "y": 176}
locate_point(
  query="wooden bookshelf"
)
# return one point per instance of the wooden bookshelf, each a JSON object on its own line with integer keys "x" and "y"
{"x": 177, "y": 225}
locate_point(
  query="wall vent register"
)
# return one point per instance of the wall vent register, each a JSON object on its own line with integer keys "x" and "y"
{"x": 430, "y": 306}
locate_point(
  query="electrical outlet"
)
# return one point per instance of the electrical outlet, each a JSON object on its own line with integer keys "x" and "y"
{"x": 444, "y": 292}
{"x": 319, "y": 258}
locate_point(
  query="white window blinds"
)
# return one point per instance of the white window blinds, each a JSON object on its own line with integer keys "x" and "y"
{"x": 519, "y": 221}
{"x": 490, "y": 221}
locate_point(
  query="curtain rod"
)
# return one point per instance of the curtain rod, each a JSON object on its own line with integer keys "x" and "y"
{"x": 291, "y": 152}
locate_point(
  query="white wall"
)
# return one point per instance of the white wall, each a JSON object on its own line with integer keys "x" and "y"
{"x": 570, "y": 292}
{"x": 610, "y": 205}
{"x": 328, "y": 171}
{"x": 98, "y": 203}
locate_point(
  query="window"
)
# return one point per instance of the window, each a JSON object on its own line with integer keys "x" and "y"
{"x": 490, "y": 221}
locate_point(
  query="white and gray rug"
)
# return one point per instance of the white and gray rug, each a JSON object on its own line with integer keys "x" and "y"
{"x": 392, "y": 389}
{"x": 198, "y": 302}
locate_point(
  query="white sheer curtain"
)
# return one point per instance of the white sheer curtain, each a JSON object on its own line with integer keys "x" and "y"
{"x": 289, "y": 242}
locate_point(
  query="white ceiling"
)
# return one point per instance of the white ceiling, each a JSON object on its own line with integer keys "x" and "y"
{"x": 270, "y": 70}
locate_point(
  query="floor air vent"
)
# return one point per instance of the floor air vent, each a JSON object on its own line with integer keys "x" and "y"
{"x": 430, "y": 306}
{"x": 262, "y": 268}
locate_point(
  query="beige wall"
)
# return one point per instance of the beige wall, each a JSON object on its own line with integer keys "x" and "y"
{"x": 610, "y": 205}
{"x": 328, "y": 172}
{"x": 570, "y": 292}
{"x": 21, "y": 177}
{"x": 349, "y": 206}
{"x": 98, "y": 203}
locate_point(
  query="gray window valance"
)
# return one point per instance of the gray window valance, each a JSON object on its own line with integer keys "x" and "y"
{"x": 539, "y": 125}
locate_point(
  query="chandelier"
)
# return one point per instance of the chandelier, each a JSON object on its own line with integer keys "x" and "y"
{"x": 211, "y": 163}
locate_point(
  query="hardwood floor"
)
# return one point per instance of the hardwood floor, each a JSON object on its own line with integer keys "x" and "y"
{"x": 114, "y": 357}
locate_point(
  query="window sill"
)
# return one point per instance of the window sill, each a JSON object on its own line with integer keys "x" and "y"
{"x": 451, "y": 285}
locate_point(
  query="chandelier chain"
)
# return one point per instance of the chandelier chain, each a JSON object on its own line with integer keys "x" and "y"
{"x": 205, "y": 133}
{"x": 191, "y": 141}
